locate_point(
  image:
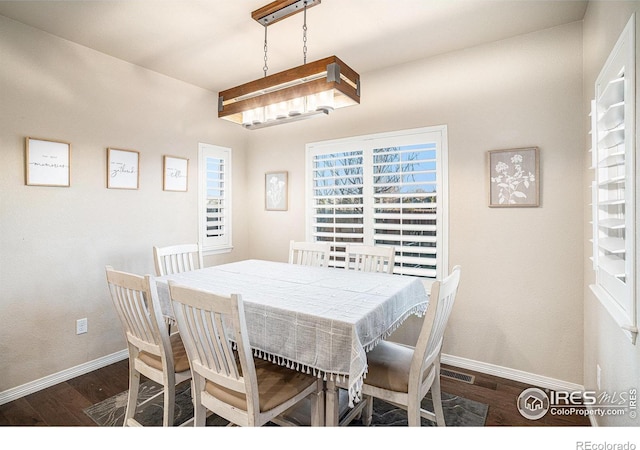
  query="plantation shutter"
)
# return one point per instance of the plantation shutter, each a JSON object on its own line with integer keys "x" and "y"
{"x": 405, "y": 206}
{"x": 338, "y": 200}
{"x": 613, "y": 133}
{"x": 386, "y": 190}
{"x": 215, "y": 204}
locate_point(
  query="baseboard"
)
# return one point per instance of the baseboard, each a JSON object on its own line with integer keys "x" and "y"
{"x": 51, "y": 380}
{"x": 532, "y": 379}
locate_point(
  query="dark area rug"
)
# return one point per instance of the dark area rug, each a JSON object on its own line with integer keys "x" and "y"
{"x": 458, "y": 411}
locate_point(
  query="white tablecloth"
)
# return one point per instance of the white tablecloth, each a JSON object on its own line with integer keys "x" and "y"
{"x": 312, "y": 319}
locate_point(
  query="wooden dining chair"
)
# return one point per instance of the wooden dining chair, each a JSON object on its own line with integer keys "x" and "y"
{"x": 369, "y": 258}
{"x": 309, "y": 253}
{"x": 152, "y": 352}
{"x": 231, "y": 383}
{"x": 177, "y": 258}
{"x": 402, "y": 376}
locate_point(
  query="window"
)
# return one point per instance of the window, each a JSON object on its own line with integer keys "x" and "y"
{"x": 383, "y": 189}
{"x": 613, "y": 150}
{"x": 214, "y": 198}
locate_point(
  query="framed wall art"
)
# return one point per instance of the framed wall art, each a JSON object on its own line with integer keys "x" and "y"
{"x": 123, "y": 171}
{"x": 276, "y": 191}
{"x": 175, "y": 173}
{"x": 514, "y": 178}
{"x": 47, "y": 163}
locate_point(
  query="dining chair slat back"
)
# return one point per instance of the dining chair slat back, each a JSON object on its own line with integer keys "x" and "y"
{"x": 177, "y": 258}
{"x": 152, "y": 352}
{"x": 445, "y": 294}
{"x": 369, "y": 258}
{"x": 227, "y": 380}
{"x": 309, "y": 253}
{"x": 403, "y": 376}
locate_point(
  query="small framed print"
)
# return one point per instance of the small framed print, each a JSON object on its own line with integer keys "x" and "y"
{"x": 276, "y": 191}
{"x": 47, "y": 163}
{"x": 123, "y": 171}
{"x": 175, "y": 173}
{"x": 514, "y": 178}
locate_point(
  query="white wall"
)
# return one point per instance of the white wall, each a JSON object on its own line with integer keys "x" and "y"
{"x": 520, "y": 300}
{"x": 605, "y": 343}
{"x": 54, "y": 241}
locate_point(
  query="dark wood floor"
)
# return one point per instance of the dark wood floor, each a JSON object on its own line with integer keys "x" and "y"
{"x": 62, "y": 404}
{"x": 501, "y": 396}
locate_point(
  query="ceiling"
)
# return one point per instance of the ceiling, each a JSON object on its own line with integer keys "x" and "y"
{"x": 215, "y": 44}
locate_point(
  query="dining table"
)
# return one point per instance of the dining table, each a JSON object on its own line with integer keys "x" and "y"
{"x": 317, "y": 320}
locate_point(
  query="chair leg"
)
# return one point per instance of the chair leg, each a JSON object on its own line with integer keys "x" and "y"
{"x": 199, "y": 414}
{"x": 436, "y": 396}
{"x": 132, "y": 398}
{"x": 199, "y": 411}
{"x": 332, "y": 407}
{"x": 169, "y": 405}
{"x": 368, "y": 411}
{"x": 413, "y": 416}
{"x": 317, "y": 407}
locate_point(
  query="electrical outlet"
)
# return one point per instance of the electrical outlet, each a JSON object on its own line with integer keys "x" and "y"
{"x": 598, "y": 376}
{"x": 81, "y": 326}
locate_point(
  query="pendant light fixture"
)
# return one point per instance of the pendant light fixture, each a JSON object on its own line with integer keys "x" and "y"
{"x": 310, "y": 90}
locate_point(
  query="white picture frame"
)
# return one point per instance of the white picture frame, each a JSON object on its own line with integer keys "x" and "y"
{"x": 276, "y": 191}
{"x": 175, "y": 173}
{"x": 514, "y": 178}
{"x": 47, "y": 163}
{"x": 123, "y": 169}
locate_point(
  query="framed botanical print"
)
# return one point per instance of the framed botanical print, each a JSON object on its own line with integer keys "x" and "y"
{"x": 276, "y": 191}
{"x": 514, "y": 178}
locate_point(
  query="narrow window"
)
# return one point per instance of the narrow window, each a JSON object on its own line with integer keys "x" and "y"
{"x": 214, "y": 198}
{"x": 614, "y": 204}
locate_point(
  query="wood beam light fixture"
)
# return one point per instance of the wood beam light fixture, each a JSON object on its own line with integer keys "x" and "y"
{"x": 310, "y": 90}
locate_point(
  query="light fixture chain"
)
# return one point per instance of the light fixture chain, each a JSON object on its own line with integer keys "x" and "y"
{"x": 266, "y": 67}
{"x": 304, "y": 34}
